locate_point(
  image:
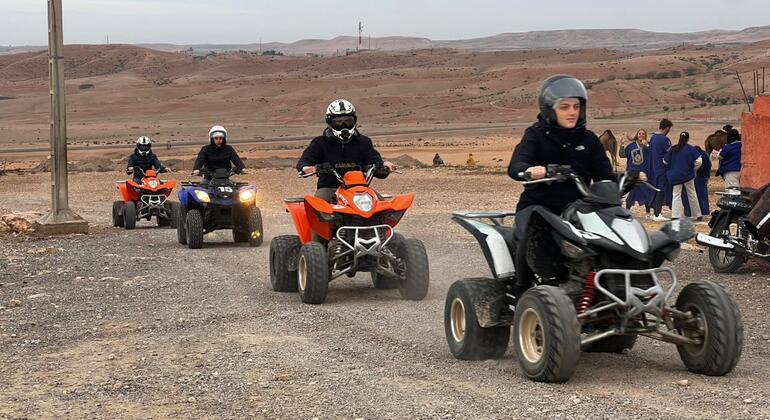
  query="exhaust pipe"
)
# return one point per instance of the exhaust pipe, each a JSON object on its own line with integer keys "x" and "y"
{"x": 710, "y": 241}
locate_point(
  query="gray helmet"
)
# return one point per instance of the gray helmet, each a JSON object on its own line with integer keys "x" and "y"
{"x": 556, "y": 88}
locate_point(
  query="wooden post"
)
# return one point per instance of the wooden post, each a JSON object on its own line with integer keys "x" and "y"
{"x": 60, "y": 219}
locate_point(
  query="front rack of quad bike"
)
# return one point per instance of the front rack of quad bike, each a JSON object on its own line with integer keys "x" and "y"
{"x": 638, "y": 303}
{"x": 359, "y": 246}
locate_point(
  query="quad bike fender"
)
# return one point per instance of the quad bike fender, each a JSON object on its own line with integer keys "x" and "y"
{"x": 563, "y": 227}
{"x": 301, "y": 223}
{"x": 402, "y": 202}
{"x": 493, "y": 245}
{"x": 126, "y": 194}
{"x": 188, "y": 200}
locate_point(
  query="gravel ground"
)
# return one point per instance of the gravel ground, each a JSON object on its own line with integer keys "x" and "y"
{"x": 133, "y": 325}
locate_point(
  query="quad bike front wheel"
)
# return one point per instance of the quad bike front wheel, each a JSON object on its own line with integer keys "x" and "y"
{"x": 411, "y": 253}
{"x": 194, "y": 228}
{"x": 312, "y": 273}
{"x": 716, "y": 321}
{"x": 383, "y": 282}
{"x": 129, "y": 215}
{"x": 466, "y": 338}
{"x": 546, "y": 334}
{"x": 180, "y": 216}
{"x": 117, "y": 213}
{"x": 284, "y": 252}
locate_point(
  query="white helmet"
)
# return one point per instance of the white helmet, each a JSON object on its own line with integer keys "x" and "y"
{"x": 143, "y": 145}
{"x": 217, "y": 129}
{"x": 341, "y": 119}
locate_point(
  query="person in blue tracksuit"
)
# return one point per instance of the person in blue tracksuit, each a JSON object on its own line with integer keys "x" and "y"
{"x": 730, "y": 160}
{"x": 638, "y": 158}
{"x": 659, "y": 146}
{"x": 682, "y": 162}
{"x": 701, "y": 186}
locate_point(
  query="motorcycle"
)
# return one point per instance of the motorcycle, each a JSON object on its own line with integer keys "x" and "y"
{"x": 598, "y": 284}
{"x": 732, "y": 241}
{"x": 218, "y": 204}
{"x": 144, "y": 200}
{"x": 355, "y": 233}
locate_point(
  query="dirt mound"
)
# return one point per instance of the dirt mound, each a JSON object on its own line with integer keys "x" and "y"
{"x": 19, "y": 223}
{"x": 406, "y": 161}
{"x": 179, "y": 164}
{"x": 270, "y": 162}
{"x": 90, "y": 164}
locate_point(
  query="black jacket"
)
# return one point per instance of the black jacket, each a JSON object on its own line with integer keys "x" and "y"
{"x": 213, "y": 158}
{"x": 329, "y": 149}
{"x": 542, "y": 145}
{"x": 146, "y": 163}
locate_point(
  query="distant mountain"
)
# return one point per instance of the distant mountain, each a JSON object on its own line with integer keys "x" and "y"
{"x": 624, "y": 39}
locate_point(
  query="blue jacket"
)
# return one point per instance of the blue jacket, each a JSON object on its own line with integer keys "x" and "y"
{"x": 730, "y": 158}
{"x": 659, "y": 145}
{"x": 638, "y": 158}
{"x": 681, "y": 164}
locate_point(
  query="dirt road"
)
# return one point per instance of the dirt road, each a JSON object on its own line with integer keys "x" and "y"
{"x": 133, "y": 325}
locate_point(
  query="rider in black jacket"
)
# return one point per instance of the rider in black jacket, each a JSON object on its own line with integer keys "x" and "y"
{"x": 340, "y": 145}
{"x": 558, "y": 137}
{"x": 144, "y": 159}
{"x": 217, "y": 154}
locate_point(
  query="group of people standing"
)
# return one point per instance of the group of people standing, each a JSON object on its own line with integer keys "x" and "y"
{"x": 680, "y": 171}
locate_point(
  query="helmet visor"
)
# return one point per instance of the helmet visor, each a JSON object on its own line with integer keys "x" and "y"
{"x": 143, "y": 147}
{"x": 342, "y": 122}
{"x": 567, "y": 87}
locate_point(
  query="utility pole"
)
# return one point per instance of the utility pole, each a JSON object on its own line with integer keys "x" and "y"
{"x": 360, "y": 30}
{"x": 60, "y": 219}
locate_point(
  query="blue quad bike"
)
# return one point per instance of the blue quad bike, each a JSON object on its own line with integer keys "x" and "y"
{"x": 217, "y": 205}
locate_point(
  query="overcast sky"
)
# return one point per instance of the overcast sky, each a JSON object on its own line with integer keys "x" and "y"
{"x": 23, "y": 22}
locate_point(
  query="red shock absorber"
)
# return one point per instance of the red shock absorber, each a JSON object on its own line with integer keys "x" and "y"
{"x": 588, "y": 294}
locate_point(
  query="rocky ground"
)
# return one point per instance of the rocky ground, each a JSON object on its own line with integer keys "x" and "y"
{"x": 131, "y": 324}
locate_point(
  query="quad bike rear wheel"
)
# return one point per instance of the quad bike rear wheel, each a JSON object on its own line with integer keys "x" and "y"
{"x": 412, "y": 254}
{"x": 194, "y": 228}
{"x": 717, "y": 322}
{"x": 284, "y": 252}
{"x": 129, "y": 215}
{"x": 180, "y": 215}
{"x": 173, "y": 209}
{"x": 546, "y": 334}
{"x": 722, "y": 261}
{"x": 256, "y": 233}
{"x": 165, "y": 221}
{"x": 312, "y": 273}
{"x": 466, "y": 338}
{"x": 117, "y": 213}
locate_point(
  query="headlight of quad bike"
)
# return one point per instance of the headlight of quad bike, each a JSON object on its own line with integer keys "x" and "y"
{"x": 153, "y": 184}
{"x": 202, "y": 196}
{"x": 246, "y": 196}
{"x": 363, "y": 202}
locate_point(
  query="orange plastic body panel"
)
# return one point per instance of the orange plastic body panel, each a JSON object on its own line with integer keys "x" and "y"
{"x": 128, "y": 194}
{"x": 353, "y": 178}
{"x": 301, "y": 222}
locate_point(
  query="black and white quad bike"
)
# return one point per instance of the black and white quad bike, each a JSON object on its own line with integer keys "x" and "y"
{"x": 598, "y": 283}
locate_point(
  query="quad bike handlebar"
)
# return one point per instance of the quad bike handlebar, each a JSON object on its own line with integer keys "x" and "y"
{"x": 329, "y": 169}
{"x": 561, "y": 173}
{"x": 133, "y": 169}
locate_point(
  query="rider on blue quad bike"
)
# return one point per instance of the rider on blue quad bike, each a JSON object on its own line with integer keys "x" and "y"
{"x": 217, "y": 155}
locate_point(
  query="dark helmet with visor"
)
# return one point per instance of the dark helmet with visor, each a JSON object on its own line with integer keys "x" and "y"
{"x": 554, "y": 90}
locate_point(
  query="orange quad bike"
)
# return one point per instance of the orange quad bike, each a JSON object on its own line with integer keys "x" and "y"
{"x": 354, "y": 233}
{"x": 144, "y": 200}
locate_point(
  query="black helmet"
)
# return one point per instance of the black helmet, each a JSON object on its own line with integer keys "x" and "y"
{"x": 556, "y": 88}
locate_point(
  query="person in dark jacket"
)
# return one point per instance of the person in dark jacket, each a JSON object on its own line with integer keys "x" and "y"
{"x": 682, "y": 162}
{"x": 558, "y": 137}
{"x": 730, "y": 160}
{"x": 144, "y": 159}
{"x": 659, "y": 146}
{"x": 638, "y": 158}
{"x": 342, "y": 146}
{"x": 701, "y": 186}
{"x": 217, "y": 155}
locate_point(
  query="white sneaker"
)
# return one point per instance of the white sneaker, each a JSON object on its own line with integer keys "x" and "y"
{"x": 660, "y": 218}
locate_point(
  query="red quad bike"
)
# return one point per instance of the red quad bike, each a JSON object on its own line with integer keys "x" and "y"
{"x": 143, "y": 201}
{"x": 355, "y": 233}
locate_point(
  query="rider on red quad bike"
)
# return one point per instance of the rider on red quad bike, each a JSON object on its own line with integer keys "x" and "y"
{"x": 144, "y": 159}
{"x": 340, "y": 144}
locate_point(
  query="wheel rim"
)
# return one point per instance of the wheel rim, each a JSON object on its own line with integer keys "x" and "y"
{"x": 722, "y": 256}
{"x": 695, "y": 328}
{"x": 531, "y": 337}
{"x": 457, "y": 319}
{"x": 302, "y": 273}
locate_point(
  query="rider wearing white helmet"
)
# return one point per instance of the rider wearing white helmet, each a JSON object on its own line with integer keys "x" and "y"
{"x": 340, "y": 144}
{"x": 144, "y": 159}
{"x": 217, "y": 154}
